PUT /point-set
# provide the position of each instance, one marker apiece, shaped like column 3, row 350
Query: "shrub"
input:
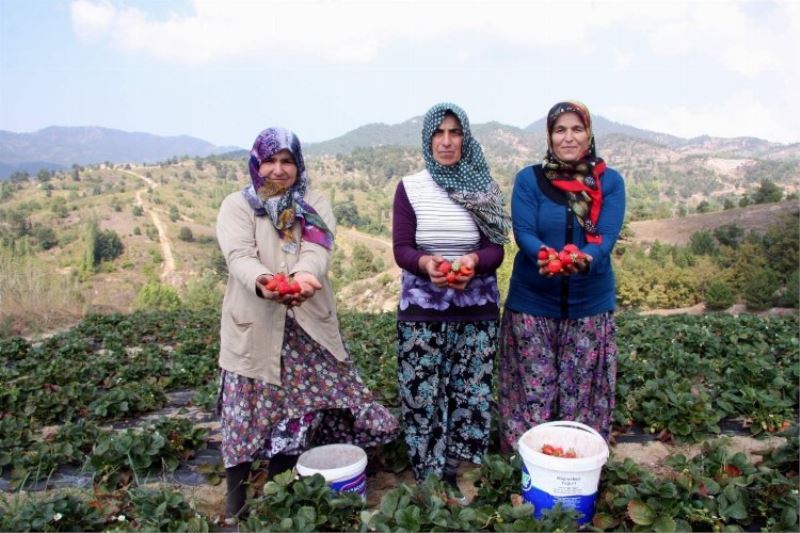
column 185, row 234
column 719, row 295
column 759, row 290
column 156, row 295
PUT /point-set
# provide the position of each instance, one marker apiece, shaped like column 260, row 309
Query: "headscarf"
column 290, row 207
column 468, row 182
column 580, row 180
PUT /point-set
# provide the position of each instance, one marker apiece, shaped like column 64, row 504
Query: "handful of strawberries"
column 453, row 270
column 283, row 284
column 559, row 262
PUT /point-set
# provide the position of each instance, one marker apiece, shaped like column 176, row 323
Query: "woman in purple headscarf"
column 286, row 381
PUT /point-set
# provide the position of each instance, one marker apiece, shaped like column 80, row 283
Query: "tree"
column 703, row 207
column 46, row 237
column 108, row 246
column 728, row 204
column 346, row 213
column 702, row 243
column 43, row 175
column 185, row 234
column 759, row 290
column 719, row 295
column 174, row 214
column 729, row 235
column 767, row 192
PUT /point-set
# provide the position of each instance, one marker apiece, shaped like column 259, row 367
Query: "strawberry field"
column 104, row 427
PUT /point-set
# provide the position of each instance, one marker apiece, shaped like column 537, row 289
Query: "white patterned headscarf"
column 468, row 182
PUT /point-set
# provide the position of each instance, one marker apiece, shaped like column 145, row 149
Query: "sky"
column 223, row 70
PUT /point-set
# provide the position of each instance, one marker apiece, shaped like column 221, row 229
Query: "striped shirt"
column 426, row 222
column 443, row 227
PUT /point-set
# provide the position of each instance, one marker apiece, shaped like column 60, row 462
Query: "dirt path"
column 168, row 266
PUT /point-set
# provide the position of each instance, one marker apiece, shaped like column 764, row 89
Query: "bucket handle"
column 572, row 424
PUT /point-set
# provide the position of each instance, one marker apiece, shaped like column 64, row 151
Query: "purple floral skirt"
column 320, row 400
column 553, row 369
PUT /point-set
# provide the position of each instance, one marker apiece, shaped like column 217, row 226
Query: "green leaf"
column 604, row 521
column 736, row 511
column 640, row 513
column 389, row 502
column 664, row 524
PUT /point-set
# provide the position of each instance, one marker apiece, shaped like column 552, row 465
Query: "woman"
column 451, row 212
column 286, row 381
column 558, row 351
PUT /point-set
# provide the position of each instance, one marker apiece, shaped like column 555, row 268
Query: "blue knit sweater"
column 540, row 215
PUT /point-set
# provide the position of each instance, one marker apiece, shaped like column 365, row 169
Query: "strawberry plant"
column 61, row 513
column 305, row 504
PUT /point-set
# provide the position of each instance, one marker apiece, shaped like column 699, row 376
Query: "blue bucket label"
column 357, row 484
column 542, row 500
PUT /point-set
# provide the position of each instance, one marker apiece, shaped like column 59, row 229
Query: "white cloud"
column 91, row 20
column 741, row 114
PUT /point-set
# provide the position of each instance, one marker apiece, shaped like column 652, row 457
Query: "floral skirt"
column 444, row 370
column 554, row 369
column 321, row 400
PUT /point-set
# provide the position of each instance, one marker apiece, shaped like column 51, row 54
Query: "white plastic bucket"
column 342, row 465
column 548, row 480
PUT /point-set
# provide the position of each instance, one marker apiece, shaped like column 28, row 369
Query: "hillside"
column 679, row 230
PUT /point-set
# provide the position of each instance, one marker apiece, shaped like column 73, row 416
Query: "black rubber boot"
column 236, row 476
column 280, row 463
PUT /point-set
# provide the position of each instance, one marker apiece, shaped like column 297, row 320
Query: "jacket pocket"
column 237, row 334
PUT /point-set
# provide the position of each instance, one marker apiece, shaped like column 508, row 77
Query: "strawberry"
column 544, row 255
column 272, row 284
column 548, row 449
column 451, row 277
column 445, row 267
column 465, row 271
column 570, row 248
column 554, row 266
column 565, row 257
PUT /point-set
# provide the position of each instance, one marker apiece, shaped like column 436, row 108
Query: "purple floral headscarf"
column 286, row 209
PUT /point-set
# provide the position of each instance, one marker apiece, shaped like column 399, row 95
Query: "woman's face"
column 447, row 141
column 280, row 170
column 569, row 138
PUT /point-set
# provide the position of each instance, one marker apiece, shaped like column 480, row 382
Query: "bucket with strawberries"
column 562, row 464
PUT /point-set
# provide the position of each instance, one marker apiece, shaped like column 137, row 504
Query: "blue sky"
column 223, row 70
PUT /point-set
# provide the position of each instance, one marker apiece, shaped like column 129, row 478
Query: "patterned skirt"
column 553, row 369
column 321, row 400
column 444, row 370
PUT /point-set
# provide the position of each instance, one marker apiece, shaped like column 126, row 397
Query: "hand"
column 309, row 285
column 578, row 266
column 430, row 265
column 468, row 263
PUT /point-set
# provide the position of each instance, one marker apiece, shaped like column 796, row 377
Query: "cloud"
column 91, row 20
column 357, row 31
column 739, row 115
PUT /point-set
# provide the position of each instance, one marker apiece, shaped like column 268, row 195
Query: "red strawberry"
column 445, row 267
column 554, row 266
column 544, row 255
column 465, row 271
column 272, row 284
column 565, row 257
column 451, row 277
column 571, row 248
column 548, row 449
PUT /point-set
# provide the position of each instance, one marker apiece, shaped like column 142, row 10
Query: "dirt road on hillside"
column 168, row 266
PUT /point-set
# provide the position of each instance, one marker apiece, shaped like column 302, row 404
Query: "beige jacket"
column 251, row 333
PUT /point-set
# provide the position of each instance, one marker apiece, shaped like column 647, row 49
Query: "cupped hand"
column 309, row 285
column 430, row 264
column 466, row 272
